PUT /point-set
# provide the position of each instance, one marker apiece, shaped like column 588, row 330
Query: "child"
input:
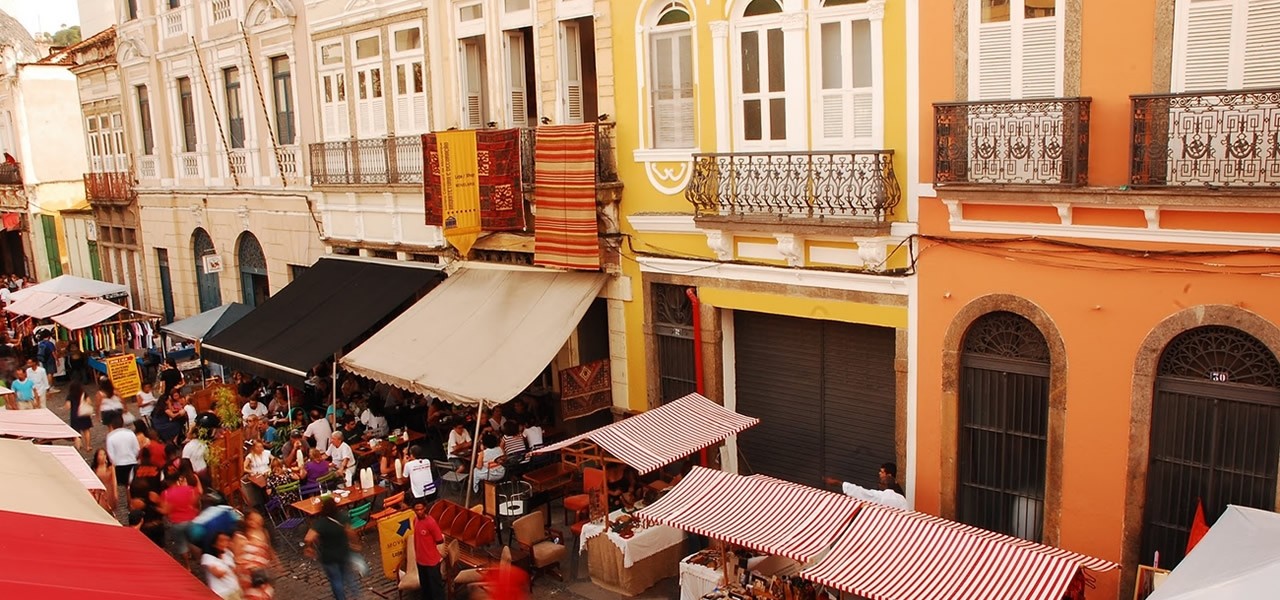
column 146, row 402
column 220, row 568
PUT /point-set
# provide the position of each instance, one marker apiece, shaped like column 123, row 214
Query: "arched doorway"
column 1003, row 426
column 207, row 284
column 1215, row 434
column 253, row 270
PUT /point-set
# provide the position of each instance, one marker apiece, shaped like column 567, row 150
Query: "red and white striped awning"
column 661, row 436
column 890, row 554
column 764, row 514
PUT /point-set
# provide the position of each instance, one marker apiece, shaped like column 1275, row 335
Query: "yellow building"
column 763, row 148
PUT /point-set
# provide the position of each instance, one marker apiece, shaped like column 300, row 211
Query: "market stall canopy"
column 208, row 323
column 42, row 305
column 47, row 557
column 892, row 554
column 325, row 309
column 70, row 459
column 764, row 514
column 88, row 314
column 1238, row 558
column 37, row 424
column 35, row 483
column 483, row 336
column 663, row 435
column 76, row 287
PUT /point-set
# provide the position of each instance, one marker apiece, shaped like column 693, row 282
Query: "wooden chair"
column 592, row 482
column 390, row 506
column 542, row 544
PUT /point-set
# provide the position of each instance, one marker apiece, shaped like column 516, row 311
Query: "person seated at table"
column 532, row 432
column 375, row 423
column 257, row 464
column 493, row 420
column 341, row 455
column 387, row 455
column 513, row 444
column 352, row 429
column 254, row 414
column 316, row 467
column 624, row 486
column 489, row 464
column 459, row 449
column 291, row 448
column 422, row 482
column 336, row 411
column 281, row 476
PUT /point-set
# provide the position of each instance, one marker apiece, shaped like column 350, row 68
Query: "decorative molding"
column 721, row 243
column 794, row 21
column 719, row 29
column 791, row 247
column 873, row 253
column 1064, row 212
column 860, row 282
column 875, row 9
column 663, row 223
column 1152, row 215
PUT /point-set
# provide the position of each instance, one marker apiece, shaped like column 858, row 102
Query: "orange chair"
column 592, row 482
column 392, row 505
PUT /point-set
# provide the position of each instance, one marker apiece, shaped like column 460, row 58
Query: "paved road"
column 302, row 578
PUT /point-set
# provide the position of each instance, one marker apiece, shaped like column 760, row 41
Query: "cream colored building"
column 219, row 129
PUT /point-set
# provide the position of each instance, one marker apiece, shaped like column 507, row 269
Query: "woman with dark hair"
column 170, row 419
column 107, row 401
column 143, row 497
column 180, row 502
column 109, row 498
column 331, row 540
column 489, row 464
column 81, row 423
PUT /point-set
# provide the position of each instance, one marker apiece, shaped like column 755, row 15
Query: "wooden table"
column 364, row 450
column 311, row 506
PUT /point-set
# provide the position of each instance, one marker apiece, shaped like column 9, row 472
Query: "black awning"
column 329, row 306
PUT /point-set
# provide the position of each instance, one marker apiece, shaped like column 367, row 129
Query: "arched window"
column 253, row 270
column 1215, row 434
column 207, row 284
column 1004, row 426
column 760, row 83
column 671, row 76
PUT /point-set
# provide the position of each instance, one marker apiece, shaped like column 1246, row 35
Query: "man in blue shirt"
column 24, row 389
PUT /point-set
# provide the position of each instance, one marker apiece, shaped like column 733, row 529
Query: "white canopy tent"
column 78, row 287
column 1238, row 558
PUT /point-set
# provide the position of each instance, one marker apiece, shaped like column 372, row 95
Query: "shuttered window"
column 761, row 80
column 517, row 78
column 825, row 393
column 333, row 93
column 409, row 87
column 371, row 108
column 846, row 91
column 671, row 60
column 573, row 108
column 1015, row 49
column 1226, row 45
column 473, row 74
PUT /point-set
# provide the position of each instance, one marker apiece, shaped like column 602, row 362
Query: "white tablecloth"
column 697, row 581
column 645, row 543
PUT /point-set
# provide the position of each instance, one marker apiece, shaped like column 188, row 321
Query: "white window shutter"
column 684, row 124
column 863, row 118
column 377, row 104
column 515, row 75
column 1207, row 52
column 833, row 111
column 1262, row 45
column 472, row 82
column 1041, row 62
column 994, row 61
column 573, row 74
column 419, row 112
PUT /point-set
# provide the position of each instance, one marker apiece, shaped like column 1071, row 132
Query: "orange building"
column 1099, row 206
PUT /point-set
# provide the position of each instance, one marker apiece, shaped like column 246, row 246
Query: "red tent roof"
column 52, row 559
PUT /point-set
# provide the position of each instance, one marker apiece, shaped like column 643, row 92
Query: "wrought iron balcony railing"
column 858, row 183
column 10, row 174
column 1018, row 142
column 1210, row 139
column 116, row 186
column 393, row 159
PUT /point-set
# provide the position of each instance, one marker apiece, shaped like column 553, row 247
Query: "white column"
column 794, row 25
column 720, row 82
column 875, row 9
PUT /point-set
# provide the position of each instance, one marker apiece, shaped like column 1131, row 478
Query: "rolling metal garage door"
column 824, row 392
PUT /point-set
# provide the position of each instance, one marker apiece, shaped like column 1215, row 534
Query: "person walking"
column 426, row 539
column 24, row 388
column 220, row 568
column 122, row 448
column 39, row 377
column 81, row 410
column 331, row 540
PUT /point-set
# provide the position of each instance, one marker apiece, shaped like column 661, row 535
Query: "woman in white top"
column 107, row 400
column 489, row 466
column 257, row 464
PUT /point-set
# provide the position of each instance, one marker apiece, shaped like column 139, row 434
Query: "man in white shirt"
column 40, row 378
column 319, row 431
column 459, row 445
column 890, row 495
column 190, row 409
column 195, row 450
column 254, row 414
column 422, row 482
column 122, row 448
column 340, row 454
column 374, row 423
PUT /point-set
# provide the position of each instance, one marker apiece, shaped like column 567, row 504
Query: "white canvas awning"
column 88, row 314
column 1238, row 558
column 78, row 287
column 42, row 305
column 35, row 483
column 36, row 424
column 482, row 336
column 75, row 465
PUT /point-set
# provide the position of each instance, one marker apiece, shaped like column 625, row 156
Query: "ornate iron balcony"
column 1018, row 142
column 855, row 183
column 606, row 157
column 392, row 159
column 1210, row 139
column 115, row 186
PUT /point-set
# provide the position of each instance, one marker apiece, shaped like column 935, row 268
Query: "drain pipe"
column 692, row 293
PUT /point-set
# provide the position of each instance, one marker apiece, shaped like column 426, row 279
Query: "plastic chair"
column 309, row 489
column 450, row 475
column 360, row 516
column 283, row 490
column 329, row 481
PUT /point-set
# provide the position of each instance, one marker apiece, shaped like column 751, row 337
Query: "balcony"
column 174, row 23
column 109, row 188
column 1210, row 140
column 1041, row 142
column 10, row 174
column 834, row 187
column 398, row 160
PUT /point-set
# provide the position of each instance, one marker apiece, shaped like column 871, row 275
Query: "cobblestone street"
column 303, row 579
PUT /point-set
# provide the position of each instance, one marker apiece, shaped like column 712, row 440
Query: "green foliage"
column 67, row 36
column 226, row 407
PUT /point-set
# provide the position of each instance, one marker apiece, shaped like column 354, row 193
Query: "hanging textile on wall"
column 498, row 160
column 565, row 231
column 586, row 389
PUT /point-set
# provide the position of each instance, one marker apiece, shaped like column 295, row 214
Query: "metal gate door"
column 1004, row 426
column 207, row 285
column 1215, row 435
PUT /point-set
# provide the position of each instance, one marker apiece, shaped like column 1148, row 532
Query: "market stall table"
column 631, row 565
column 698, row 580
column 311, row 506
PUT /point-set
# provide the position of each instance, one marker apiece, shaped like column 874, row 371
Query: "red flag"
column 1198, row 526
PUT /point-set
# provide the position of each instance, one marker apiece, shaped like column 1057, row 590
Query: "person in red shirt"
column 426, row 534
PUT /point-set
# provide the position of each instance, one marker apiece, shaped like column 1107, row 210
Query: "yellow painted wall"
column 641, row 196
